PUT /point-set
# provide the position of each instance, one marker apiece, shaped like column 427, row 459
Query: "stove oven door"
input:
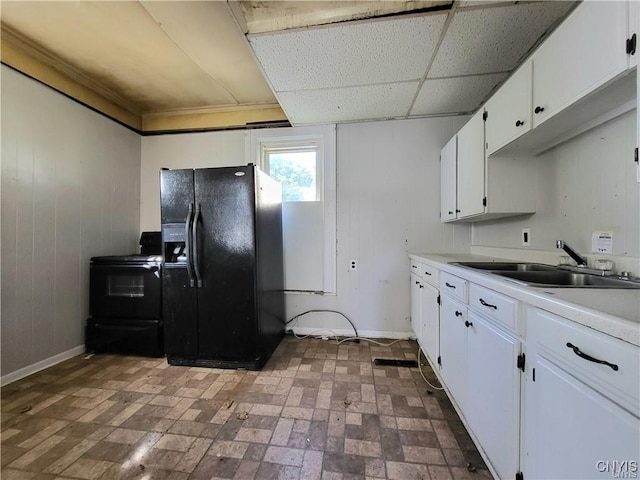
column 125, row 290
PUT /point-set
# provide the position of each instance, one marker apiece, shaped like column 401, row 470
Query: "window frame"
column 261, row 140
column 267, row 148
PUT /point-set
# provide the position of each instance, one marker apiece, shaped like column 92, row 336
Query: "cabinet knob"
column 519, row 123
column 468, row 324
column 458, row 313
column 538, row 109
column 457, row 211
column 450, row 212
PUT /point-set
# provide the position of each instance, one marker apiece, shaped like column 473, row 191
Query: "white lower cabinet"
column 573, row 429
column 493, row 392
column 416, row 305
column 453, row 348
column 425, row 309
column 430, row 328
column 479, row 367
column 554, row 400
column 573, row 432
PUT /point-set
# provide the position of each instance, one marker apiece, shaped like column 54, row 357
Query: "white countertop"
column 615, row 312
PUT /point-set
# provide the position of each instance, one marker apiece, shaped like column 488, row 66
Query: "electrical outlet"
column 353, row 264
column 526, row 237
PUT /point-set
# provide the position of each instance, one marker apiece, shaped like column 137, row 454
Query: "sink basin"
column 541, row 275
column 508, row 266
column 559, row 278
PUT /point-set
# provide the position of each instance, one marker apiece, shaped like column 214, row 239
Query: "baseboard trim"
column 41, row 365
column 342, row 332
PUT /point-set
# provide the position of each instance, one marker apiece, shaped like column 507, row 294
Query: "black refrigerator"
column 222, row 275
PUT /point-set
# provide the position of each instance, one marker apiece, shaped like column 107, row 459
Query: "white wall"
column 584, row 185
column 70, row 191
column 189, row 150
column 388, row 204
column 388, row 176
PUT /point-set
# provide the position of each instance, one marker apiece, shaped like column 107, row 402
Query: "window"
column 297, row 169
column 303, row 160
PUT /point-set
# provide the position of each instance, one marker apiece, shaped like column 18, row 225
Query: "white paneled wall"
column 388, row 177
column 388, row 204
column 584, row 185
column 70, row 191
column 189, row 150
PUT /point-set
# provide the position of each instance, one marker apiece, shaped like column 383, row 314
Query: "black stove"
column 125, row 301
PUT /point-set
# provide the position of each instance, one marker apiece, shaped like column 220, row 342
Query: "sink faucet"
column 581, row 261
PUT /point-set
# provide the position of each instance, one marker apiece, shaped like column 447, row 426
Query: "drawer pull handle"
column 427, row 273
column 449, row 285
column 581, row 354
column 414, row 266
column 458, row 313
column 488, row 304
column 468, row 324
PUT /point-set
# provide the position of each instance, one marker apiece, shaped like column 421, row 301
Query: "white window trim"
column 325, row 137
column 297, row 146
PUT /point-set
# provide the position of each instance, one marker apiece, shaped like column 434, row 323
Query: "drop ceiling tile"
column 494, row 39
column 349, row 54
column 455, row 95
column 348, row 104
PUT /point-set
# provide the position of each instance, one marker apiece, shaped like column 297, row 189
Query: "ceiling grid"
column 189, row 64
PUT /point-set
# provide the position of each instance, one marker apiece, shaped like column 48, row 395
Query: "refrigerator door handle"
column 194, row 236
column 188, row 247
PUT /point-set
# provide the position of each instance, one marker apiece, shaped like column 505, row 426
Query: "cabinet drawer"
column 430, row 274
column 569, row 343
column 493, row 304
column 454, row 286
column 415, row 267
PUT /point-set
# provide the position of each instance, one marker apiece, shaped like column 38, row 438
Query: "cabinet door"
column 471, row 154
column 573, row 432
column 634, row 27
column 493, row 393
column 430, row 322
column 448, row 163
column 453, row 348
column 416, row 306
column 571, row 63
column 509, row 110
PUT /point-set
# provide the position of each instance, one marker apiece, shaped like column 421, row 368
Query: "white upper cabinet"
column 509, row 110
column 448, row 180
column 581, row 76
column 634, row 29
column 585, row 52
column 474, row 187
column 471, row 182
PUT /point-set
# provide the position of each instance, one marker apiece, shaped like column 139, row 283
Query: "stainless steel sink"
column 541, row 275
column 559, row 278
column 507, row 266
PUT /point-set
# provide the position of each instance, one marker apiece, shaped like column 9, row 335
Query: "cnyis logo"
column 618, row 468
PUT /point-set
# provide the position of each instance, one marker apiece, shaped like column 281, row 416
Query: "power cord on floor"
column 324, row 311
column 420, row 369
column 370, row 340
column 356, row 338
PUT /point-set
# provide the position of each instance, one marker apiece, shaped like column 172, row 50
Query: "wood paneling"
column 70, row 190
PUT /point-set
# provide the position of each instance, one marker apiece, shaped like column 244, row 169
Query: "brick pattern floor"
column 317, row 410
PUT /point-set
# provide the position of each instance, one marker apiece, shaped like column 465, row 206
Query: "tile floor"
column 316, row 411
